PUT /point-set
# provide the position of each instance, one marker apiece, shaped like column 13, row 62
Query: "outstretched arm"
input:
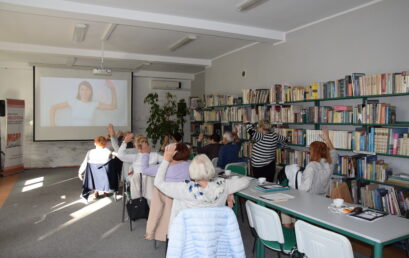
column 54, row 109
column 325, row 137
column 113, row 104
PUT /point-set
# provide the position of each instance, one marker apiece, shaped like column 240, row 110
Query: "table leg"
column 236, row 205
column 259, row 249
column 377, row 251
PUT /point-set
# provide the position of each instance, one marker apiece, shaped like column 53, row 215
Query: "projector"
column 102, row 71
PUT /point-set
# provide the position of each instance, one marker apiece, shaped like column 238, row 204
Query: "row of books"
column 374, row 112
column 213, row 100
column 393, row 141
column 385, row 198
column 241, row 131
column 255, row 96
column 246, row 148
column 287, row 114
column 289, row 156
column 196, row 115
column 285, row 93
column 294, row 136
column 370, row 168
column 340, row 139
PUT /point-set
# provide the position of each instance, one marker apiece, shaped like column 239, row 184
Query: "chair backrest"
column 237, row 167
column 266, row 222
column 205, row 232
column 320, row 243
column 191, row 156
column 214, row 161
column 248, row 210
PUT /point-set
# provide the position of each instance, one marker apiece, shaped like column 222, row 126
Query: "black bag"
column 138, row 208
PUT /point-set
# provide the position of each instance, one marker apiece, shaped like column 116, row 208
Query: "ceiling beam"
column 67, row 9
column 78, row 52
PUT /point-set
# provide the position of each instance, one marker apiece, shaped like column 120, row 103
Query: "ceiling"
column 40, row 31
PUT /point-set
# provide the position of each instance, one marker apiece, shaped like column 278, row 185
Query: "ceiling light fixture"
column 80, row 30
column 248, row 4
column 182, row 42
column 108, row 32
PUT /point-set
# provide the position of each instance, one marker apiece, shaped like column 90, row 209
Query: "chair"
column 205, row 232
column 237, row 167
column 270, row 232
column 251, row 224
column 320, row 243
column 214, row 161
column 96, row 178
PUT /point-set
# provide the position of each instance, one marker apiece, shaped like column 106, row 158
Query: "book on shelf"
column 294, row 136
column 340, row 139
column 196, row 115
column 241, row 130
column 209, row 129
column 348, row 165
column 385, row 198
column 212, row 115
column 214, row 100
column 196, row 103
column 285, row 93
column 370, row 168
column 287, row 114
column 290, row 156
column 255, row 96
column 393, row 141
column 246, row 148
column 401, row 180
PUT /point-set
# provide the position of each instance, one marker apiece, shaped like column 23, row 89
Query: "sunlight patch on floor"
column 78, row 215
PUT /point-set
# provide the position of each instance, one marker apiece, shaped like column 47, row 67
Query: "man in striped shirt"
column 263, row 155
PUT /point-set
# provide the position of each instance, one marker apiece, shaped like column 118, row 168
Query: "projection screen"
column 74, row 104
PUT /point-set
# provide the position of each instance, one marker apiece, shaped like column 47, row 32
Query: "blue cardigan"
column 228, row 153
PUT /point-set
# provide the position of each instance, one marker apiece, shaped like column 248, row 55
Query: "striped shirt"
column 264, row 147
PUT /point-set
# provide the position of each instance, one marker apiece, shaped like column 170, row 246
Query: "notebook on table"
column 270, row 187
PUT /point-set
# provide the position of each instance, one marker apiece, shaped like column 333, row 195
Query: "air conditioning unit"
column 165, row 85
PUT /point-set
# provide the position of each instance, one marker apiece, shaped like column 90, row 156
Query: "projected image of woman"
column 83, row 106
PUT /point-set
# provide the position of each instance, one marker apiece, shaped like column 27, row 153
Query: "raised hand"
column 111, row 130
column 200, row 137
column 128, row 137
column 170, row 151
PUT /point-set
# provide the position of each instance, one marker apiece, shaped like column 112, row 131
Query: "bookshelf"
column 358, row 86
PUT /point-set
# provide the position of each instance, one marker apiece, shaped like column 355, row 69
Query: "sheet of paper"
column 277, row 196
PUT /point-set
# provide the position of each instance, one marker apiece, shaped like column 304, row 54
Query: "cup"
column 338, row 202
column 262, row 180
column 227, row 172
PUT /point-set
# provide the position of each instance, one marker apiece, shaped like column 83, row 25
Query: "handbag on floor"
column 138, row 208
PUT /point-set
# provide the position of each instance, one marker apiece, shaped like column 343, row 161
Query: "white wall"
column 370, row 40
column 16, row 81
column 141, row 110
column 198, row 85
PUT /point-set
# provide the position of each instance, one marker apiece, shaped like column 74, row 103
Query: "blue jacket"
column 228, row 153
column 205, row 232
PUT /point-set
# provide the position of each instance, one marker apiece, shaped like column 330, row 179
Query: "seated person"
column 212, row 149
column 135, row 159
column 161, row 205
column 95, row 181
column 203, row 191
column 316, row 176
column 229, row 152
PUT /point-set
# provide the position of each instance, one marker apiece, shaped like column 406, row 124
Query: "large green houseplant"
column 166, row 119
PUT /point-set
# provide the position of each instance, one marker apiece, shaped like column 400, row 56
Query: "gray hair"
column 228, row 136
column 201, row 168
column 264, row 124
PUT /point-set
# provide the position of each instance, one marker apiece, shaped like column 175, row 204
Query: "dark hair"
column 183, row 152
column 215, row 137
column 318, row 151
column 88, row 85
column 177, row 136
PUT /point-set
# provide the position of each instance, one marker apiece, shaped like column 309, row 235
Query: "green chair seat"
column 289, row 241
column 241, row 170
